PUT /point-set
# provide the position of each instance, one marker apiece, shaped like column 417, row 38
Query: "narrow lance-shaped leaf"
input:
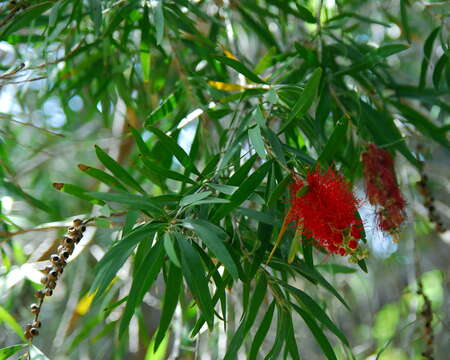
column 317, row 333
column 249, row 319
column 159, row 22
column 172, row 147
column 171, row 293
column 95, row 12
column 305, row 99
column 244, row 191
column 257, row 141
column 9, row 351
column 165, row 108
column 157, row 170
column 135, row 202
column 262, row 332
column 117, row 170
column 142, row 281
column 427, row 49
column 105, row 178
column 315, row 310
column 77, row 191
column 195, row 277
column 213, row 237
column 241, row 68
column 17, row 191
column 112, row 261
column 7, row 318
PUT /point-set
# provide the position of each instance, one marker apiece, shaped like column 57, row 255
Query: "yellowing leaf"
column 228, row 53
column 226, row 86
column 84, row 304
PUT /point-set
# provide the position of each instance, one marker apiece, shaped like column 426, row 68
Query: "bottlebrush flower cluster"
column 382, row 188
column 324, row 207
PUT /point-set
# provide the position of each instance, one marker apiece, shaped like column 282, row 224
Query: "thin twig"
column 9, row 118
column 56, row 227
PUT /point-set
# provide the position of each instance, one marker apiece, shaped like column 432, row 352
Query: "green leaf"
column 195, row 277
column 189, row 199
column 171, row 293
column 404, row 19
column 143, row 279
column 25, row 17
column 291, row 342
column 280, row 336
column 213, row 237
column 422, row 124
column 17, row 191
column 135, row 202
column 313, row 275
column 250, row 315
column 117, row 170
column 247, row 187
column 317, row 333
column 95, row 12
column 391, row 49
column 240, row 68
column 381, row 126
column 262, row 332
column 427, row 49
column 305, row 14
column 157, row 170
column 266, row 61
column 165, row 108
column 77, row 191
column 439, row 69
column 112, row 261
column 142, row 146
column 9, row 351
column 305, row 99
column 172, row 147
column 169, row 246
column 336, row 268
column 337, row 138
column 315, row 310
column 159, row 22
column 257, row 141
column 105, row 178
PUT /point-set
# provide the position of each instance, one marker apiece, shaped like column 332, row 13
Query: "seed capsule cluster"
column 427, row 317
column 53, row 272
column 429, row 202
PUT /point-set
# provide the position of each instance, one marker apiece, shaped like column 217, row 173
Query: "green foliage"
column 202, row 114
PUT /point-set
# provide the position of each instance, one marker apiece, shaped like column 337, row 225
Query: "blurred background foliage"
column 74, row 74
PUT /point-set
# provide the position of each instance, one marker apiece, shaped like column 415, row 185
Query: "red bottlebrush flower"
column 325, row 208
column 382, row 188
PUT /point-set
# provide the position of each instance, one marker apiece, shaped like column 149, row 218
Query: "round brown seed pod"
column 27, row 327
column 36, row 324
column 27, row 335
column 64, row 254
column 39, row 294
column 34, row 332
column 67, row 241
column 77, row 222
column 55, row 259
column 35, row 308
column 51, row 284
column 72, row 229
column 47, row 269
column 44, row 280
column 48, row 292
column 53, row 275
